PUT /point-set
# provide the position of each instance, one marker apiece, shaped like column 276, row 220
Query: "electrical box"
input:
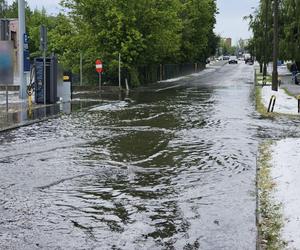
column 51, row 80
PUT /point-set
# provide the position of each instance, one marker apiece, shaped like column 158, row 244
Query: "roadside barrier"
column 272, row 104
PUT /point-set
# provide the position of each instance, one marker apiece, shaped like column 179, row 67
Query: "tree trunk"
column 275, row 48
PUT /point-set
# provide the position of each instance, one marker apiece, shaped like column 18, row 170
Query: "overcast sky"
column 52, row 6
column 229, row 22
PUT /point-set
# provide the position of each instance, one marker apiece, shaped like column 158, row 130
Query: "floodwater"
column 171, row 169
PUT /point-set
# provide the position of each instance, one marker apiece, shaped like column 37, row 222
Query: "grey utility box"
column 51, row 80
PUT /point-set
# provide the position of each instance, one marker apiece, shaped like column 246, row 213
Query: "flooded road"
column 172, row 169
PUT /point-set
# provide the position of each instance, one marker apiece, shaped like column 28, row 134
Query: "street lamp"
column 21, row 14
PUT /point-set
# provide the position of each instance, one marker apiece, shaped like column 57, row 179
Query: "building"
column 228, row 42
column 9, row 29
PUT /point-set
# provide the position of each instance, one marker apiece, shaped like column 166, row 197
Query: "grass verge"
column 269, row 212
column 260, row 107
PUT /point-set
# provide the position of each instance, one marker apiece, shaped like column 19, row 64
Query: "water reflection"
column 170, row 170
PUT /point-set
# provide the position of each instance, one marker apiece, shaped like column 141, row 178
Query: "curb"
column 28, row 123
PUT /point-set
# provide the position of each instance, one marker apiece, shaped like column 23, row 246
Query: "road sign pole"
column 99, row 69
column 100, row 81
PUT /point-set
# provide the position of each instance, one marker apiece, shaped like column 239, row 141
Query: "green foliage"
column 261, row 24
column 144, row 32
column 198, row 22
column 290, row 26
column 226, row 48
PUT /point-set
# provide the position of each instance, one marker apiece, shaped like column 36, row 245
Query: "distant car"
column 249, row 61
column 225, row 58
column 233, row 60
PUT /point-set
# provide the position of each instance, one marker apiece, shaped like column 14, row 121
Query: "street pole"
column 120, row 87
column 100, row 81
column 6, row 92
column 44, row 62
column 21, row 14
column 43, row 47
column 276, row 47
column 80, row 68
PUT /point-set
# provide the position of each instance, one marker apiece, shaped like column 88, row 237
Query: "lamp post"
column 21, row 14
column 275, row 46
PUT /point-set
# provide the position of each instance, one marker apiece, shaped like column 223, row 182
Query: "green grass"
column 270, row 220
column 268, row 78
column 260, row 107
column 259, row 77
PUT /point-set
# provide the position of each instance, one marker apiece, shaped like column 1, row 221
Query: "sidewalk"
column 283, row 171
column 286, row 97
column 19, row 114
column 286, row 174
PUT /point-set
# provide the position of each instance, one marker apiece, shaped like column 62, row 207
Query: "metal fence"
column 146, row 74
column 155, row 73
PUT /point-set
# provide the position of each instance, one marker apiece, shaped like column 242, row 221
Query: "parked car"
column 233, row 60
column 249, row 61
column 225, row 58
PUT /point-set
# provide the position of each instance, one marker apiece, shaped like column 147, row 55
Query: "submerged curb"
column 269, row 212
column 28, row 123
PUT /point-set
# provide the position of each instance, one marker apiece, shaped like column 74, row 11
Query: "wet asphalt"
column 169, row 169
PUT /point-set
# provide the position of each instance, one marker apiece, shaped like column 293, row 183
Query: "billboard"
column 6, row 63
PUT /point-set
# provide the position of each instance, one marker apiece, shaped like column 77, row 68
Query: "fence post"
column 161, row 72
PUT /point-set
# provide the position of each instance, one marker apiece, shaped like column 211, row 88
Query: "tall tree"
column 198, row 18
column 144, row 32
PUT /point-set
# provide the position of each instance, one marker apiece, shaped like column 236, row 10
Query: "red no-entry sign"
column 99, row 66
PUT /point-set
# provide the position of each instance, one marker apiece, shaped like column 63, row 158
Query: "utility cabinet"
column 51, row 80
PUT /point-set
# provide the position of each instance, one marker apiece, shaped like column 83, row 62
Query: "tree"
column 198, row 18
column 290, row 27
column 145, row 32
column 261, row 24
column 3, row 8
